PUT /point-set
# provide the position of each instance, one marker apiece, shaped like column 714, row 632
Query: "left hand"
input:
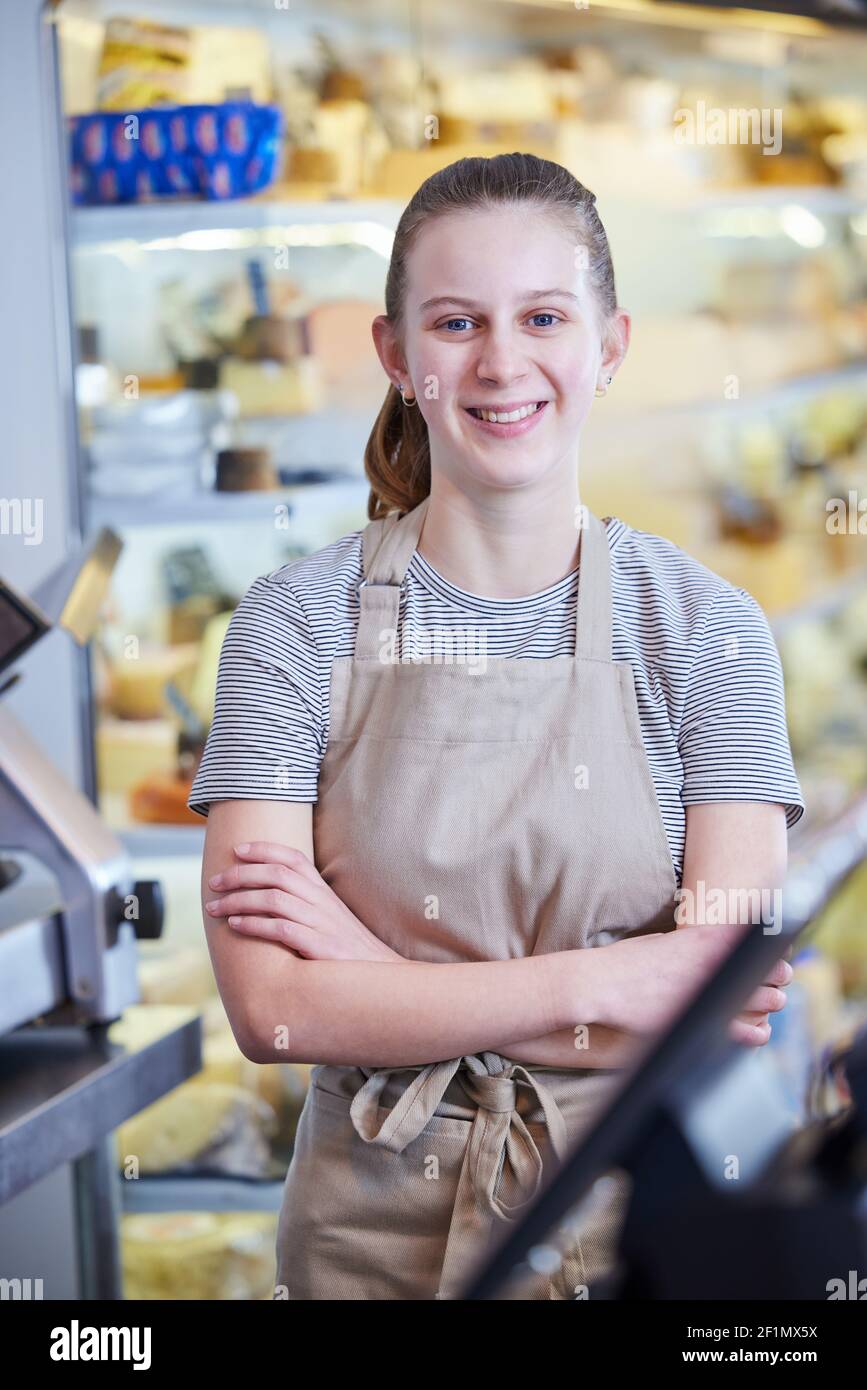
column 752, row 1025
column 277, row 893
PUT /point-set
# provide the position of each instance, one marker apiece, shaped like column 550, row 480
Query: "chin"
column 506, row 475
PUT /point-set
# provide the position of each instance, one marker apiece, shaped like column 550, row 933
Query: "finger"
column 264, row 875
column 265, row 902
column 294, row 935
column 765, row 1000
column 752, row 1035
column 263, row 851
column 780, row 974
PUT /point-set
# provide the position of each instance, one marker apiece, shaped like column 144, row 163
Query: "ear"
column 615, row 341
column 388, row 348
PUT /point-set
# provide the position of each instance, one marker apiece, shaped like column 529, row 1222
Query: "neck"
column 502, row 544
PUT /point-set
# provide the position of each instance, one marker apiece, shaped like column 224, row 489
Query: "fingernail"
column 243, row 849
column 215, row 880
column 211, row 905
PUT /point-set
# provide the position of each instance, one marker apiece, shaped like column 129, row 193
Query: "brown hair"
column 397, row 456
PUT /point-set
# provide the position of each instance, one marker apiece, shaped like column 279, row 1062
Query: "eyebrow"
column 474, row 303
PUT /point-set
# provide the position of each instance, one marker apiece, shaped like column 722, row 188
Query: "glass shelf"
column 195, row 225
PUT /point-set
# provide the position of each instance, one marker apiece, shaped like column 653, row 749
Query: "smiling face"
column 500, row 316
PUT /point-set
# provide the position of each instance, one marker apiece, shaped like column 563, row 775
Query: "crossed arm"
column 729, row 846
column 317, row 985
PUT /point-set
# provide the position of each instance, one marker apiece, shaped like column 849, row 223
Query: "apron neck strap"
column 389, row 542
column 387, row 546
column 593, row 610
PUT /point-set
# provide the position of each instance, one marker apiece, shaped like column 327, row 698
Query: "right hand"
column 642, row 983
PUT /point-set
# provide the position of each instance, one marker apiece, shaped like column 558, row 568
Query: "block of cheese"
column 227, row 59
column 138, row 682
column 203, row 686
column 129, row 749
column 143, row 64
column 198, row 1255
column 273, row 388
column 400, row 172
column 312, row 166
column 283, row 1085
column 343, row 128
column 80, row 41
column 147, row 64
column 174, row 975
column 523, row 92
column 174, row 1131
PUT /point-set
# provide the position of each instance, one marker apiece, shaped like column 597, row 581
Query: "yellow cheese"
column 138, row 682
column 199, row 1255
column 173, row 1131
column 779, row 575
column 203, row 686
column 226, row 59
column 400, row 172
column 174, row 975
column 129, row 749
column 273, row 388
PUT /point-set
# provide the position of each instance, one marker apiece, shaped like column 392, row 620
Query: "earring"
column 604, row 390
column 407, row 401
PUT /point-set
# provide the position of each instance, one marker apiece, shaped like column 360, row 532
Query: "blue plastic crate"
column 220, row 151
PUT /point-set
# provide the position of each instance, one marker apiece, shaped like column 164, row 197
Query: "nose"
column 500, row 358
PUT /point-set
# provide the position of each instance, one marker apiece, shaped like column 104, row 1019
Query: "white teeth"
column 502, row 418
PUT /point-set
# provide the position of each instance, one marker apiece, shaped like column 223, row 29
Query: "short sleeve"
column 265, row 741
column 734, row 740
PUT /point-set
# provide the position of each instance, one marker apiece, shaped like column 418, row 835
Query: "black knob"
column 151, row 908
column 142, row 905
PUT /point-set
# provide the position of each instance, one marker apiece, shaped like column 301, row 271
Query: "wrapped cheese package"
column 198, row 1255
column 196, row 1127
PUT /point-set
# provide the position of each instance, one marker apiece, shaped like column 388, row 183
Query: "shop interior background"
column 190, row 363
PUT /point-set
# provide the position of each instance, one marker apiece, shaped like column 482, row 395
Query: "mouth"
column 506, row 422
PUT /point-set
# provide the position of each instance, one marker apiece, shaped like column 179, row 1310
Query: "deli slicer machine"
column 81, row 961
column 70, row 917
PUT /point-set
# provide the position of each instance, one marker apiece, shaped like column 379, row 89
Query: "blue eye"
column 541, row 315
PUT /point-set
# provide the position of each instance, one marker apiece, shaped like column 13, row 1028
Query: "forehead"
column 492, row 253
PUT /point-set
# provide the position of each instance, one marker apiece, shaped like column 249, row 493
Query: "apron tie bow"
column 497, row 1134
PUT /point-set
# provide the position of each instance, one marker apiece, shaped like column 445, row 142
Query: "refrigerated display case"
column 226, row 382
column 739, row 408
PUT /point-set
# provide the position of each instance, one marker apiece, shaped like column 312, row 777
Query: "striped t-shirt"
column 707, row 672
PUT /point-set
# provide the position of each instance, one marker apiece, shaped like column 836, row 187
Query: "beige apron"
column 468, row 814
